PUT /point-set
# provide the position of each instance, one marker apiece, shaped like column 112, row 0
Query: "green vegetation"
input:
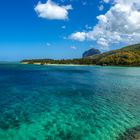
column 127, row 56
column 81, row 61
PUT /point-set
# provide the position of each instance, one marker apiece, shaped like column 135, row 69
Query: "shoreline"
column 66, row 65
column 27, row 63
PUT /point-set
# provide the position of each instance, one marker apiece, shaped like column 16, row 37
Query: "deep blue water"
column 68, row 103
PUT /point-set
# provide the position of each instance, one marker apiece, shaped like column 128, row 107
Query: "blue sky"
column 25, row 33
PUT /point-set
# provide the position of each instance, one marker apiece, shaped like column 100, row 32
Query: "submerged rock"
column 130, row 134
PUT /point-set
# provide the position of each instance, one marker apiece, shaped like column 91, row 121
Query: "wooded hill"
column 129, row 55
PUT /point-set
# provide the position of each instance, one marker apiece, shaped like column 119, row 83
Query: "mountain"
column 129, row 55
column 91, row 52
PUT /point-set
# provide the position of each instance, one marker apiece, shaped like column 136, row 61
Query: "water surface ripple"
column 68, row 103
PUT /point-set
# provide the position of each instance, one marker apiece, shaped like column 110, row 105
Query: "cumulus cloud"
column 80, row 36
column 121, row 23
column 106, row 1
column 52, row 11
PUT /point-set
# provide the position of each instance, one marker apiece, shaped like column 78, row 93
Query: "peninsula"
column 126, row 56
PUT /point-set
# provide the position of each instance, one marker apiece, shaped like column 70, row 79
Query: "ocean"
column 68, row 102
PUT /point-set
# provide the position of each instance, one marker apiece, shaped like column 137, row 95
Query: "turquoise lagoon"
column 68, row 103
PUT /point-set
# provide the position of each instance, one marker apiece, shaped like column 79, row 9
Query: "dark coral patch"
column 130, row 134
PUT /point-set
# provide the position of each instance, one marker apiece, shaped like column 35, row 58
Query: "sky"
column 62, row 29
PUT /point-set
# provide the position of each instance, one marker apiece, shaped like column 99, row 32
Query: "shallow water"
column 68, row 103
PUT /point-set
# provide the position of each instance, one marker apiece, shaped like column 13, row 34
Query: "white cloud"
column 103, row 42
column 84, row 3
column 88, row 27
column 80, row 36
column 106, row 1
column 63, row 27
column 73, row 47
column 120, row 24
column 51, row 10
column 101, row 7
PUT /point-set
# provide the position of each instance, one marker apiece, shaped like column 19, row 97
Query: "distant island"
column 126, row 56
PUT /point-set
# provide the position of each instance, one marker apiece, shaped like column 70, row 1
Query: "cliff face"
column 91, row 52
